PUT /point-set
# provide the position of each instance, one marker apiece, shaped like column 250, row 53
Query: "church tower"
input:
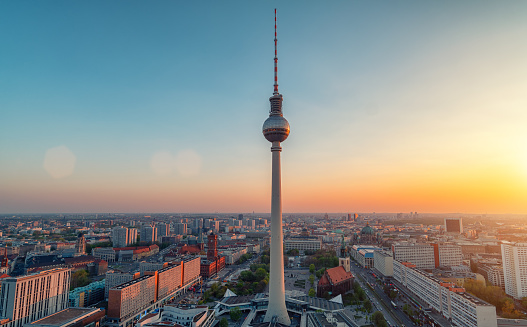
column 344, row 258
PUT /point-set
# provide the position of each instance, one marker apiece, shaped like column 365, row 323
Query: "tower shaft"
column 276, row 305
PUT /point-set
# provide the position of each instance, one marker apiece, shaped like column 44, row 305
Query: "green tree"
column 312, row 292
column 378, row 319
column 260, row 274
column 367, row 305
column 293, row 252
column 265, row 259
column 224, row 322
column 235, row 314
column 311, row 279
column 312, row 268
column 247, row 276
column 79, row 278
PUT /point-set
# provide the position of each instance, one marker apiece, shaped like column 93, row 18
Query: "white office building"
column 450, row 255
column 31, row 297
column 421, row 255
column 302, row 244
column 383, row 263
column 514, row 258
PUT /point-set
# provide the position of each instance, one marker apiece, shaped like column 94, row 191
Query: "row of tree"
column 495, row 296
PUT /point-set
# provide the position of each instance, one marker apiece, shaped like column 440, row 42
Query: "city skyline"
column 134, row 107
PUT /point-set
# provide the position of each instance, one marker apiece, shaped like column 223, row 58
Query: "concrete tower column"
column 276, row 279
column 276, row 130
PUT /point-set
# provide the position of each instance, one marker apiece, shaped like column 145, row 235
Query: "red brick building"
column 214, row 263
column 335, row 281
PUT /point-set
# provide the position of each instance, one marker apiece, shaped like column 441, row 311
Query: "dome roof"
column 367, row 230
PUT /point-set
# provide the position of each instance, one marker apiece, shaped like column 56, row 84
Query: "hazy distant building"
column 454, row 225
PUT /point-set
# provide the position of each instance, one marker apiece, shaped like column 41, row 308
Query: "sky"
column 157, row 106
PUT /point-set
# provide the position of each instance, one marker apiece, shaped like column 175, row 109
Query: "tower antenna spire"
column 275, row 57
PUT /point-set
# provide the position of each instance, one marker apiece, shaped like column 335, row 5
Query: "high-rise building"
column 120, row 237
column 514, row 258
column 132, row 236
column 148, row 234
column 276, row 130
column 180, row 229
column 215, row 225
column 163, row 229
column 454, row 225
column 28, row 298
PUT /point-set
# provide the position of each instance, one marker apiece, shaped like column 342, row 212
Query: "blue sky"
column 161, row 105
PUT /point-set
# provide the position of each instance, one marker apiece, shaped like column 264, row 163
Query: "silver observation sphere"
column 276, row 128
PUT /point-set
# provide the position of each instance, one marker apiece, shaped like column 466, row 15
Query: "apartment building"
column 493, row 273
column 114, row 278
column 31, row 297
column 127, row 301
column 514, row 259
column 462, row 309
column 234, row 254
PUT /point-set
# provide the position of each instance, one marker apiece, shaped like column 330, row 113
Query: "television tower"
column 276, row 130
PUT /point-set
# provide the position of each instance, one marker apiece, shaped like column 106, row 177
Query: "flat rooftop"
column 65, row 316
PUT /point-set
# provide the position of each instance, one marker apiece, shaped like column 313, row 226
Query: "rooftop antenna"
column 275, row 57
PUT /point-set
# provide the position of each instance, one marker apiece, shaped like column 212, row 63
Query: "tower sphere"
column 276, row 128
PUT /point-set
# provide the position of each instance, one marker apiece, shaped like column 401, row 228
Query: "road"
column 381, row 302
